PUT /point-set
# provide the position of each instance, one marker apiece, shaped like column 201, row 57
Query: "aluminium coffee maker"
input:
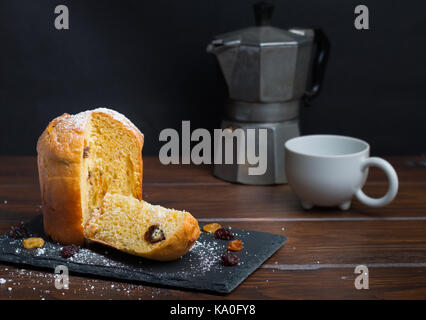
column 266, row 70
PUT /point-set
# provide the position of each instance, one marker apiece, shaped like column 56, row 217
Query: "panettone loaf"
column 142, row 229
column 80, row 158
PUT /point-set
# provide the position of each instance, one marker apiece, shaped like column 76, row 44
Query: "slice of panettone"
column 142, row 229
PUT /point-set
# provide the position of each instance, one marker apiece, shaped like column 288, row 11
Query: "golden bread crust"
column 59, row 158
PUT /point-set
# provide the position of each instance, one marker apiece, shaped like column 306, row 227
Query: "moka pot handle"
column 319, row 64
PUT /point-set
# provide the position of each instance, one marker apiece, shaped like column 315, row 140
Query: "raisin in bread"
column 142, row 229
column 80, row 158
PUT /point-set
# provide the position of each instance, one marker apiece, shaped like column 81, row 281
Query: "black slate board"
column 199, row 269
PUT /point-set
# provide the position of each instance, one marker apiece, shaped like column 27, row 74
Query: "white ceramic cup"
column 328, row 170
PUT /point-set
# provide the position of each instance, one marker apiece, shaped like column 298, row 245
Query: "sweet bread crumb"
column 142, row 229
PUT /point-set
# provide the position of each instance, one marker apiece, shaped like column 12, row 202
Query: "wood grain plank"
column 23, row 170
column 384, row 283
column 237, row 201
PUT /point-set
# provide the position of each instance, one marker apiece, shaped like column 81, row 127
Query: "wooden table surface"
column 317, row 262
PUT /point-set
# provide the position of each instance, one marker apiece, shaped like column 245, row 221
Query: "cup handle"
column 392, row 178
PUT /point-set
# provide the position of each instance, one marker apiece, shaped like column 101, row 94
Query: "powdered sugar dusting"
column 90, row 257
column 78, row 121
column 119, row 117
column 203, row 257
column 41, row 285
column 40, row 251
column 75, row 122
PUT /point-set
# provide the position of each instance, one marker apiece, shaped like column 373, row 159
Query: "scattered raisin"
column 86, row 152
column 229, row 259
column 18, row 232
column 235, row 245
column 154, row 234
column 69, row 251
column 212, row 227
column 224, row 234
column 32, row 243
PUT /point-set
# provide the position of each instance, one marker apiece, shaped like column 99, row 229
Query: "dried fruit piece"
column 69, row 251
column 93, row 228
column 18, row 232
column 31, row 243
column 154, row 234
column 212, row 227
column 229, row 259
column 224, row 234
column 235, row 245
column 86, row 152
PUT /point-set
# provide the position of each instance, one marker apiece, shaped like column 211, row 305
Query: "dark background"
column 147, row 59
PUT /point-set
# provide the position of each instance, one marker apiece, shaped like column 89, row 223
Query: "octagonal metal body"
column 264, row 64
